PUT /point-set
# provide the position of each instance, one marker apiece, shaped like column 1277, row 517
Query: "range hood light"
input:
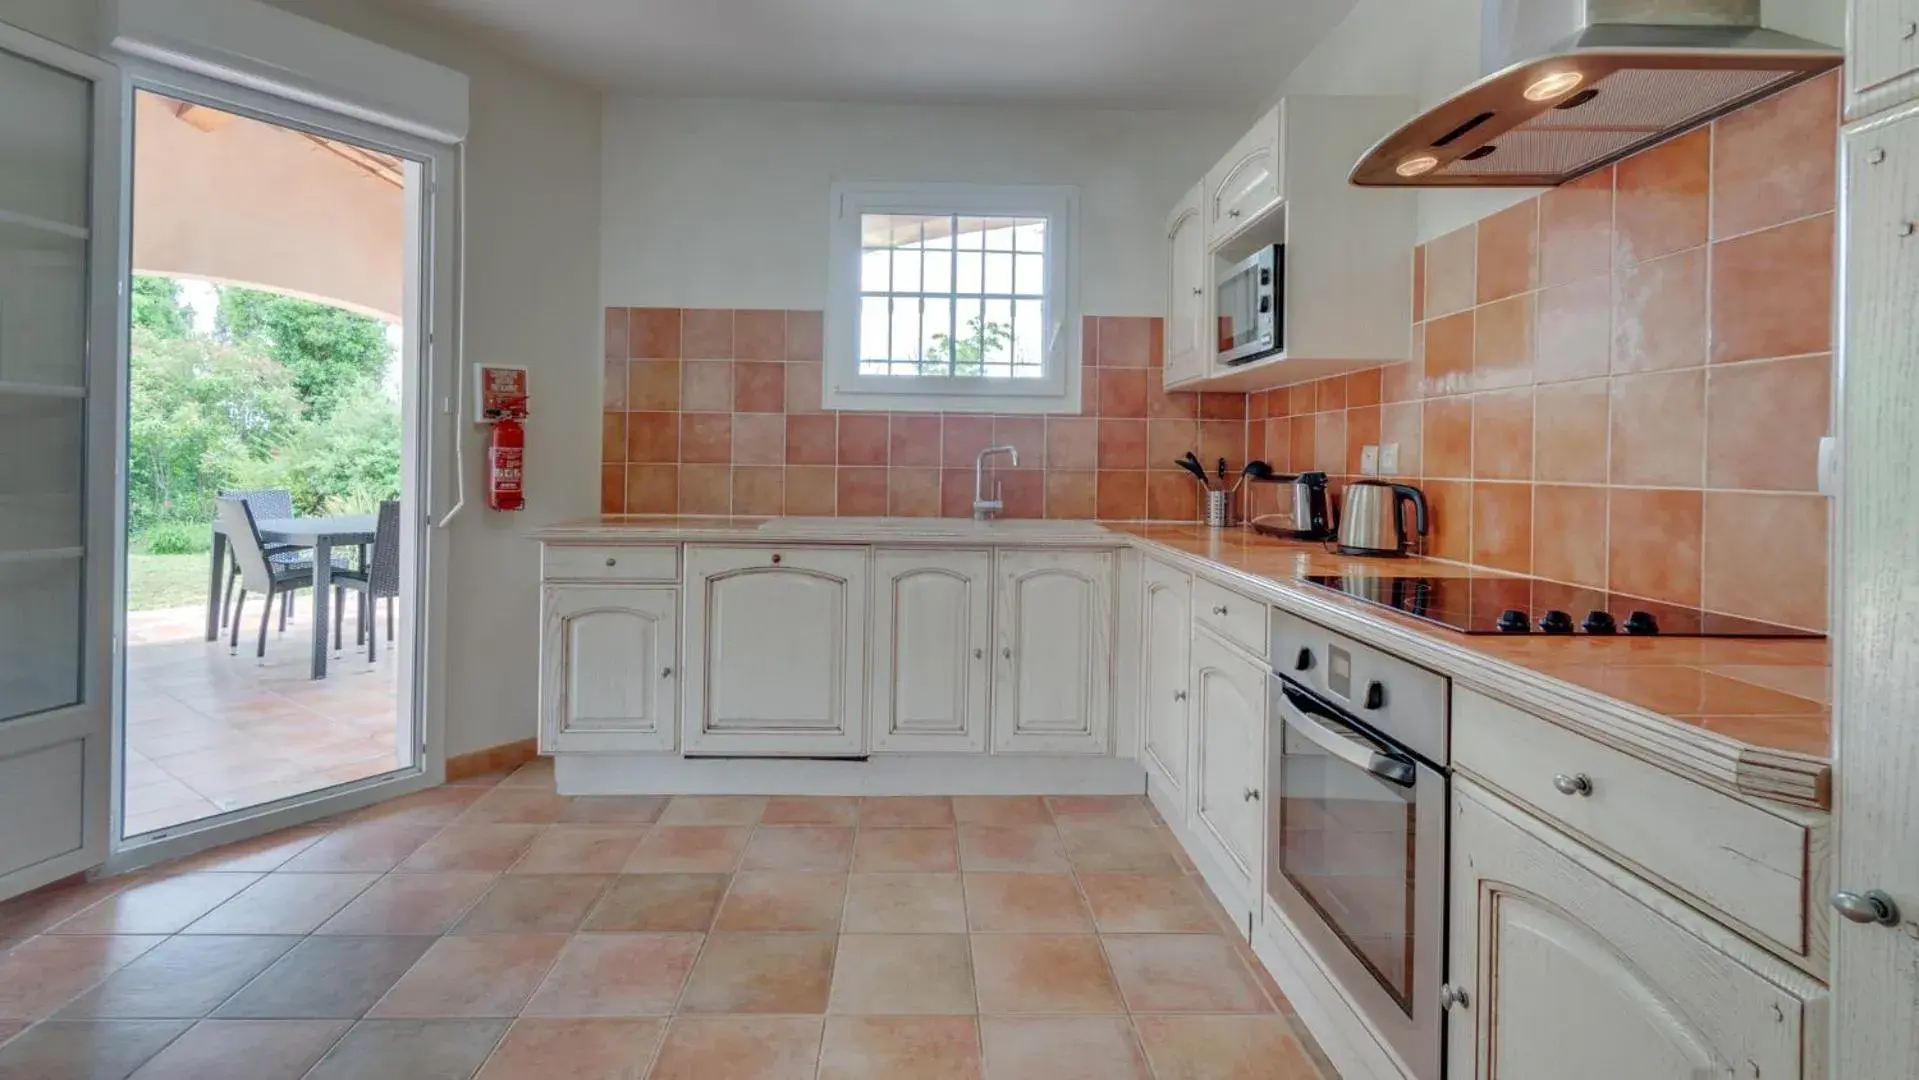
column 1417, row 166
column 1553, row 85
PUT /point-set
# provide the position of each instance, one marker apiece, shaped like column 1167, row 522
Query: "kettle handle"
column 1407, row 493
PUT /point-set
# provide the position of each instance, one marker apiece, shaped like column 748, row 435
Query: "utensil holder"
column 1219, row 509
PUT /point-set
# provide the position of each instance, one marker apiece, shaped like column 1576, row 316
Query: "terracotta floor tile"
column 1223, row 1048
column 372, row 847
column 434, row 806
column 1129, row 810
column 903, row 975
column 1061, row 1048
column 245, row 1050
column 478, row 848
column 410, row 904
column 761, row 973
column 515, row 806
column 1021, row 973
column 42, row 974
column 617, row 975
column 1001, row 810
column 1182, row 973
column 535, row 904
column 799, row 847
column 892, row 1048
column 86, row 1049
column 1025, row 904
column 688, row 850
column 284, row 904
column 24, row 916
column 414, row 1049
column 905, row 904
column 1011, row 849
column 767, row 900
column 1147, row 904
column 658, row 903
column 490, row 975
column 616, row 809
column 810, row 810
column 1117, row 850
column 912, row 811
column 10, row 1028
column 580, row 849
column 161, row 906
column 258, row 855
column 537, row 773
column 574, row 1050
column 182, row 978
column 905, row 850
column 739, row 1048
column 326, row 978
column 713, row 810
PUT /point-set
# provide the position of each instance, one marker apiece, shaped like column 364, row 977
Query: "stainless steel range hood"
column 1578, row 84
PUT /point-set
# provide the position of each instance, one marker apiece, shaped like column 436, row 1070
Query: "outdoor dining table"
column 322, row 534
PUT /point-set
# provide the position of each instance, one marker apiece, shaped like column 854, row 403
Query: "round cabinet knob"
column 1234, row 212
column 979, row 654
column 1453, row 997
column 666, row 673
column 1871, row 906
column 1576, row 784
column 776, row 560
column 1006, row 653
column 612, row 562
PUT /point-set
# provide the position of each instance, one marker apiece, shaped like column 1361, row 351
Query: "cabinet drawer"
column 1232, row 616
column 655, row 563
column 1749, row 864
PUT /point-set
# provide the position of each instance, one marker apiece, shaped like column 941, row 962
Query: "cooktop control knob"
column 1599, row 622
column 1556, row 622
column 1375, row 695
column 1641, row 622
column 1514, row 621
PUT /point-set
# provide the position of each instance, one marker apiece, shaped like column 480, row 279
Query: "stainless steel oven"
column 1357, row 829
column 1250, row 298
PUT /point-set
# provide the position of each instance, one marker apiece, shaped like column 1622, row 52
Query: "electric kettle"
column 1372, row 522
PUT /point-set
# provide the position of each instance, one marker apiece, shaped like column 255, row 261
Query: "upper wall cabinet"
column 1343, row 294
column 1882, row 55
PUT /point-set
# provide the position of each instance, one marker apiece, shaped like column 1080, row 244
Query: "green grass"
column 165, row 581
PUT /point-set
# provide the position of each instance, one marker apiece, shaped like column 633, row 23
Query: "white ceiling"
column 1118, row 53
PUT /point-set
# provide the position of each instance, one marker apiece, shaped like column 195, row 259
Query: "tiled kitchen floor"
column 208, row 732
column 496, row 929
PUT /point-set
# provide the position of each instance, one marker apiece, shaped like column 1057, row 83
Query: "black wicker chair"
column 259, row 573
column 383, row 571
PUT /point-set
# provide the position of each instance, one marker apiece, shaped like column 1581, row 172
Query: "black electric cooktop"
column 1505, row 605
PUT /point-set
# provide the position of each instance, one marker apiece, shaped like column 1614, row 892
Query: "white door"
column 932, row 631
column 1052, row 684
column 607, row 673
column 1189, row 340
column 775, row 651
column 1876, row 637
column 1229, row 757
column 59, row 423
column 1565, row 970
column 1168, row 618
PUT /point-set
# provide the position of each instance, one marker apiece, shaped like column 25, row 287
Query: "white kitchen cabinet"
column 1166, row 732
column 1229, row 692
column 775, row 656
column 608, row 673
column 1052, row 679
column 1572, row 968
column 1190, row 341
column 1882, row 55
column 930, row 649
column 1247, row 182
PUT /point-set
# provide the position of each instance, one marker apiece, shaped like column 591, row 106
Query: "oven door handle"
column 1345, row 743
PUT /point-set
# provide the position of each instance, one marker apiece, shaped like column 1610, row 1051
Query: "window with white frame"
column 955, row 297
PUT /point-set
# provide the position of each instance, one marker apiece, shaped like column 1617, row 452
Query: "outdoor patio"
column 208, row 732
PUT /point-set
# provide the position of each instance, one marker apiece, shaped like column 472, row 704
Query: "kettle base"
column 1372, row 552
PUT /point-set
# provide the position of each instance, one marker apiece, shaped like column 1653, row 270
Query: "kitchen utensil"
column 1192, row 465
column 1197, row 464
column 1373, row 522
column 1254, row 470
column 1222, row 472
column 1219, row 509
column 1305, row 515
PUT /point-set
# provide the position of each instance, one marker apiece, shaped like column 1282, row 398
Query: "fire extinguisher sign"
column 502, row 393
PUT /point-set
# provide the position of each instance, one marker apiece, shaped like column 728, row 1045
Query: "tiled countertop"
column 1752, row 716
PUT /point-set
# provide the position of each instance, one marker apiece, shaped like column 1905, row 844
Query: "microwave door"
column 1245, row 298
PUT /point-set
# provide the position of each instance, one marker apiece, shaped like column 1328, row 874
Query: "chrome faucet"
column 983, row 507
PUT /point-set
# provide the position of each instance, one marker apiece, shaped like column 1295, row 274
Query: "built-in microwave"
column 1251, row 299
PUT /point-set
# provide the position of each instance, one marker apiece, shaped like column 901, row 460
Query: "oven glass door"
column 1244, row 330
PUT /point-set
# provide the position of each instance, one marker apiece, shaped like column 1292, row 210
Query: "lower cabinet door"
column 1564, row 965
column 607, row 668
column 1166, row 735
column 775, row 651
column 931, row 630
column 1229, row 758
column 1052, row 678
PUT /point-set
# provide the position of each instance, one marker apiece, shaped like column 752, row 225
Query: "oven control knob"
column 1453, row 997
column 1556, row 622
column 1305, row 661
column 1514, row 621
column 1375, row 695
column 1599, row 622
column 1641, row 622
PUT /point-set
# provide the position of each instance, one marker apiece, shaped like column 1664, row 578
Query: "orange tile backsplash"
column 1621, row 383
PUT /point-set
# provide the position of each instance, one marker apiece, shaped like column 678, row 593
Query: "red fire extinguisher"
column 505, row 458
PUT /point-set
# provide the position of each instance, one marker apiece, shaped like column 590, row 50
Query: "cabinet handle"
column 1234, row 212
column 1252, row 794
column 1453, row 997
column 1006, row 653
column 612, row 562
column 1220, row 610
column 1909, row 31
column 1869, row 907
column 1904, row 229
column 1876, row 156
column 1197, row 291
column 1179, row 695
column 776, row 560
column 979, row 654
column 666, row 673
column 1577, row 784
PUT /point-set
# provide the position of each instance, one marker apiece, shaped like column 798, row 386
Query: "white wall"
column 712, row 203
column 73, row 23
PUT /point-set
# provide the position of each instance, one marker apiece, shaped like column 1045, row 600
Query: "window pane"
column 874, row 328
column 939, row 233
column 936, row 329
column 969, row 232
column 41, row 523
column 1030, row 234
column 997, row 337
column 876, row 271
column 999, row 234
column 906, row 332
column 938, row 274
column 971, row 273
column 1031, row 275
column 43, row 306
column 906, row 271
column 1029, row 339
column 46, row 128
column 966, row 349
column 999, row 272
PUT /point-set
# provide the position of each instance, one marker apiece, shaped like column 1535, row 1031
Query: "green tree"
column 329, row 351
column 969, row 353
column 157, row 307
column 351, row 462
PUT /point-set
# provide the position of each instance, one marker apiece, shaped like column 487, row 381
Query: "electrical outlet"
column 1389, row 459
column 1369, row 461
